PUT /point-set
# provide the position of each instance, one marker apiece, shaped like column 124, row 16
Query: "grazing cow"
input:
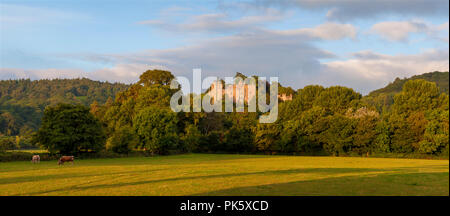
column 35, row 159
column 65, row 159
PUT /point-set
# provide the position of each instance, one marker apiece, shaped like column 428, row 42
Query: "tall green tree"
column 436, row 134
column 408, row 121
column 338, row 137
column 156, row 129
column 70, row 129
column 337, row 99
column 151, row 77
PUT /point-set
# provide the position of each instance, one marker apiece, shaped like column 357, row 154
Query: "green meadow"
column 222, row 174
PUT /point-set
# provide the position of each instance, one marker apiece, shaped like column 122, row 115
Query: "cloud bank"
column 295, row 63
column 247, row 44
column 348, row 10
column 401, row 30
column 367, row 70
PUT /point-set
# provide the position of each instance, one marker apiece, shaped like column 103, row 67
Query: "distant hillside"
column 23, row 101
column 440, row 78
column 384, row 97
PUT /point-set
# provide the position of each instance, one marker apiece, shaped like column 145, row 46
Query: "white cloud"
column 256, row 50
column 265, row 53
column 51, row 73
column 123, row 73
column 296, row 64
column 356, row 9
column 216, row 22
column 326, row 31
column 288, row 54
column 220, row 22
column 368, row 70
column 401, row 30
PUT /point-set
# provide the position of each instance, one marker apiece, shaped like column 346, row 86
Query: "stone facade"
column 232, row 90
column 285, row 97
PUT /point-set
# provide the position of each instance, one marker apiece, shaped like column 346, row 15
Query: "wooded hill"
column 23, row 101
column 440, row 78
column 384, row 97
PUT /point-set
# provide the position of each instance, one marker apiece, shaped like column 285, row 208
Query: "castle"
column 234, row 90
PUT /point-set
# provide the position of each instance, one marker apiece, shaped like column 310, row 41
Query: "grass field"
column 209, row 174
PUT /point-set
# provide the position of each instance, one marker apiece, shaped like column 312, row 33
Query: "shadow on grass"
column 23, row 179
column 151, row 160
column 276, row 172
column 385, row 184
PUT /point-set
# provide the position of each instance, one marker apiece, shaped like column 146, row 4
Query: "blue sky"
column 360, row 44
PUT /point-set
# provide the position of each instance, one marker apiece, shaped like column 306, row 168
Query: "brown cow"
column 35, row 159
column 63, row 159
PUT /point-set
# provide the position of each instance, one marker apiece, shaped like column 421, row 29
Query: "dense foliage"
column 317, row 121
column 334, row 121
column 70, row 129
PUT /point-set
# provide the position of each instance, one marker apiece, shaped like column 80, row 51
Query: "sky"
column 361, row 44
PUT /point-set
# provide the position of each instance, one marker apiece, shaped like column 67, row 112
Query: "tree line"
column 317, row 121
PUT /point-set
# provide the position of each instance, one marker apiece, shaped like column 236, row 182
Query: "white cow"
column 35, row 159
